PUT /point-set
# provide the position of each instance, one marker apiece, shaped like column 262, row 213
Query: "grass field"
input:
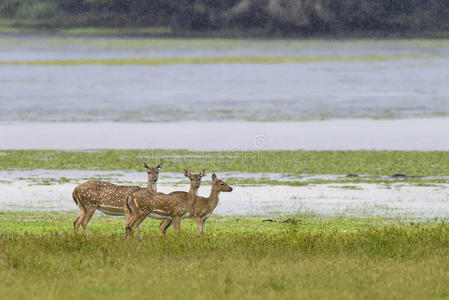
column 375, row 163
column 292, row 257
column 41, row 258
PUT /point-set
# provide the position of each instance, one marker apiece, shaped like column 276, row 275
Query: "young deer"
column 171, row 207
column 107, row 197
column 203, row 207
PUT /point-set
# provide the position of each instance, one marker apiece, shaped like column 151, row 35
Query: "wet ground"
column 51, row 190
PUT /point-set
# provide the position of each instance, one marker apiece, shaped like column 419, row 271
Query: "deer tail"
column 74, row 198
column 129, row 205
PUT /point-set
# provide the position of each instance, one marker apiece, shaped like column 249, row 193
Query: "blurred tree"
column 72, row 6
column 274, row 17
column 248, row 13
column 8, row 8
column 36, row 9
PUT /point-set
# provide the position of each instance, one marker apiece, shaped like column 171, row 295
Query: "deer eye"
column 222, row 184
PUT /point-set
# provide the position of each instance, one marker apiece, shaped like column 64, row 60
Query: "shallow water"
column 399, row 88
column 41, row 47
column 362, row 200
column 40, row 190
column 51, row 177
column 139, row 178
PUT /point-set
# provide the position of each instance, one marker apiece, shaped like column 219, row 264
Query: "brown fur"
column 171, row 207
column 203, row 207
column 107, row 197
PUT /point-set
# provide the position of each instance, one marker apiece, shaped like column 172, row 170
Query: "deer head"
column 195, row 179
column 220, row 185
column 153, row 173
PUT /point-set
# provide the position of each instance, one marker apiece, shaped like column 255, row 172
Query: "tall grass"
column 394, row 261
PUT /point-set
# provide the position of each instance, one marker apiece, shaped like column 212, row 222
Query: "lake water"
column 413, row 83
column 388, row 94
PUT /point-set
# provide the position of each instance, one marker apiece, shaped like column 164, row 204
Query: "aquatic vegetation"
column 126, row 31
column 407, row 45
column 296, row 163
column 212, row 60
column 373, row 180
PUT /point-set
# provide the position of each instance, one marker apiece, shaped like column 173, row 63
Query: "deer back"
column 100, row 193
column 143, row 202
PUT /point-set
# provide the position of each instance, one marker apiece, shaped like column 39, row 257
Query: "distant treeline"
column 273, row 17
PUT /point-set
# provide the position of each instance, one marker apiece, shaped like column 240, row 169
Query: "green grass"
column 42, row 222
column 31, row 27
column 412, row 181
column 40, row 258
column 126, row 31
column 212, row 60
column 49, row 41
column 375, row 163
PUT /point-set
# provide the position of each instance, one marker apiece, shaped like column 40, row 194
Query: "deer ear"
column 187, row 173
column 159, row 166
column 146, row 166
column 203, row 173
column 214, row 177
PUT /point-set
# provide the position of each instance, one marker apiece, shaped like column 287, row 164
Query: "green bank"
column 375, row 163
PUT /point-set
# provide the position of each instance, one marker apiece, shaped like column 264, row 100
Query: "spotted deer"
column 203, row 207
column 107, row 197
column 172, row 208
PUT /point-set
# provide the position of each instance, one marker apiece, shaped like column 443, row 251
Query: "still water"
column 413, row 84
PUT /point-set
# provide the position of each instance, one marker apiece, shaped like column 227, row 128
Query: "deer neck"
column 193, row 193
column 213, row 198
column 151, row 186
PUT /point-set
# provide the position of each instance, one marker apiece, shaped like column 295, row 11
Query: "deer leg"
column 165, row 224
column 128, row 231
column 133, row 223
column 129, row 221
column 200, row 223
column 139, row 229
column 77, row 222
column 82, row 213
column 162, row 226
column 87, row 218
column 203, row 226
column 136, row 223
column 177, row 224
column 169, row 223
